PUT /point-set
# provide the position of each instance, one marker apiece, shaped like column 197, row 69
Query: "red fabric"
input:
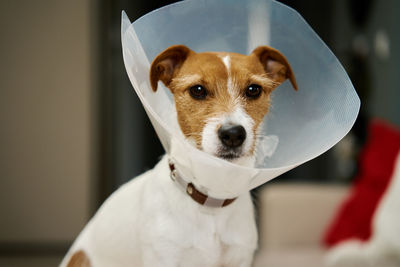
column 376, row 165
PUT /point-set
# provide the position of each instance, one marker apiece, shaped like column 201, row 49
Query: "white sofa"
column 292, row 220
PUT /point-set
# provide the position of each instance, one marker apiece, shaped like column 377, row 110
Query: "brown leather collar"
column 195, row 194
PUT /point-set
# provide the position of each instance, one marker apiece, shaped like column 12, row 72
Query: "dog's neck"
column 195, row 193
column 191, row 190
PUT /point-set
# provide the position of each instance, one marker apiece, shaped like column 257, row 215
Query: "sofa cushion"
column 296, row 215
column 299, row 257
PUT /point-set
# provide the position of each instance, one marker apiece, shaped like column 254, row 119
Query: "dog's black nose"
column 232, row 135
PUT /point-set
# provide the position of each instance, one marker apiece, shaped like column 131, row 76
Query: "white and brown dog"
column 221, row 99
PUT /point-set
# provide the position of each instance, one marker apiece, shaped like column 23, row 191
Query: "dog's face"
column 221, row 98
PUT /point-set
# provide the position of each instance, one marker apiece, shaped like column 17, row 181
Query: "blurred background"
column 72, row 129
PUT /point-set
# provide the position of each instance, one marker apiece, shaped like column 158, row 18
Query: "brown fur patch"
column 79, row 259
column 166, row 64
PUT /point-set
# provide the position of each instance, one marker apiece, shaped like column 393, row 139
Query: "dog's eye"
column 253, row 91
column 198, row 92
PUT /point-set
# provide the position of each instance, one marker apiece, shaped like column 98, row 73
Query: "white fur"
column 229, row 83
column 383, row 249
column 210, row 141
column 150, row 222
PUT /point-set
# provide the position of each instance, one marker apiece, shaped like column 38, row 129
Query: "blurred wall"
column 377, row 39
column 47, row 122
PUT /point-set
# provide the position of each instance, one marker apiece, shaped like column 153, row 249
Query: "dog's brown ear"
column 166, row 64
column 275, row 64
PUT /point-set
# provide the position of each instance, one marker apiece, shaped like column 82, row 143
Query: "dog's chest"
column 200, row 236
column 208, row 253
column 205, row 244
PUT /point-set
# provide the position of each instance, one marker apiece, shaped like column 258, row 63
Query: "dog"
column 221, row 99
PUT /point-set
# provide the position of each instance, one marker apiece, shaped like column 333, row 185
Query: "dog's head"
column 221, row 98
